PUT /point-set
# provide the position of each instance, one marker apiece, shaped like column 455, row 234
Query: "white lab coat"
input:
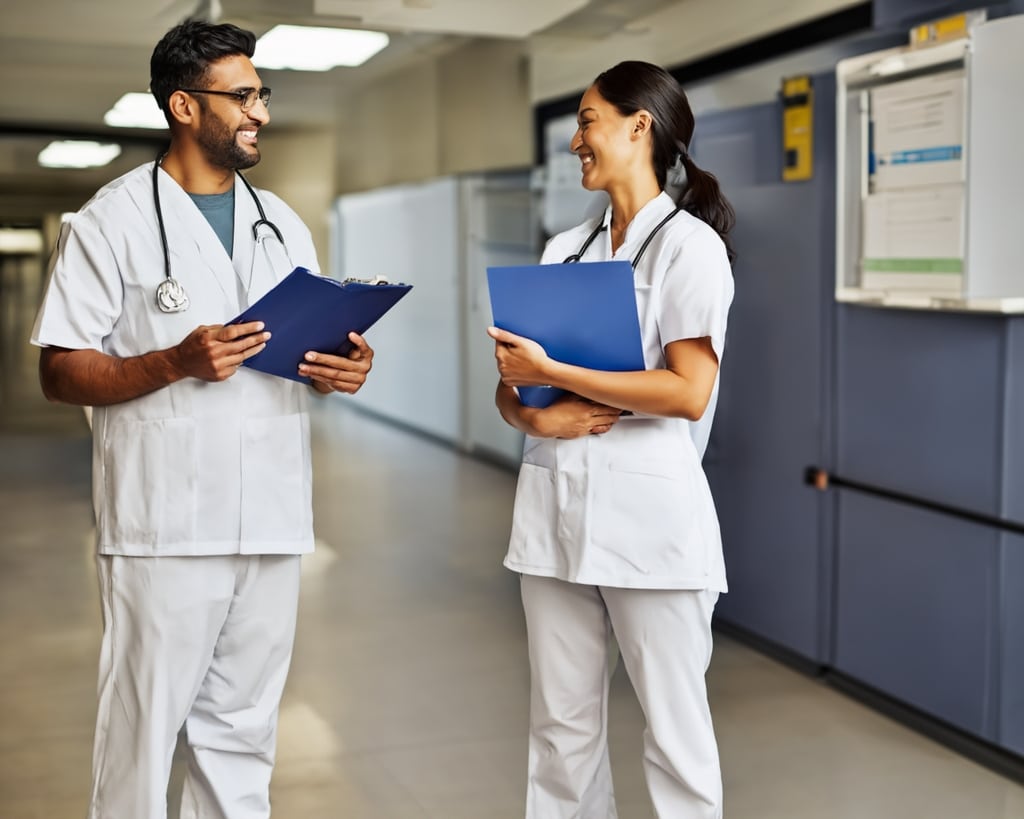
column 631, row 508
column 195, row 468
column 203, row 501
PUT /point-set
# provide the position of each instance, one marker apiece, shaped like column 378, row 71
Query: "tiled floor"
column 408, row 692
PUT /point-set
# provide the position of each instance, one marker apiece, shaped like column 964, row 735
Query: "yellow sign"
column 797, row 129
column 948, row 28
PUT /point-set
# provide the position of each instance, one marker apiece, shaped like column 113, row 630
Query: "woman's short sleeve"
column 697, row 290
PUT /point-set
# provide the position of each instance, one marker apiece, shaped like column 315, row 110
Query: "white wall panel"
column 500, row 229
column 409, row 233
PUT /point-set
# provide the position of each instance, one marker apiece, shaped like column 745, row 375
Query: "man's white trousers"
column 203, row 642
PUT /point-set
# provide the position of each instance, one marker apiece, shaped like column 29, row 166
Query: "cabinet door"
column 917, row 604
column 1011, row 685
column 919, row 403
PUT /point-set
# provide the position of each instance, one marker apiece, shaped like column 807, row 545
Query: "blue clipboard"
column 306, row 312
column 582, row 313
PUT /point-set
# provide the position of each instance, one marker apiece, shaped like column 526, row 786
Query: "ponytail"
column 702, row 197
column 631, row 86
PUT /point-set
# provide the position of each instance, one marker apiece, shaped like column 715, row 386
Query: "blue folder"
column 309, row 312
column 582, row 313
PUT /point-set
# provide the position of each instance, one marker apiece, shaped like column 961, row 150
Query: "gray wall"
column 923, row 606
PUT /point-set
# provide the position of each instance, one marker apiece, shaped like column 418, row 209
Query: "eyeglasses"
column 246, row 99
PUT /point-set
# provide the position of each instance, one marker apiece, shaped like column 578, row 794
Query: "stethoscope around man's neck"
column 170, row 295
column 602, row 226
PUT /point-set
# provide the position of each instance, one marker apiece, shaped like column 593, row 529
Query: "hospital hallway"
column 408, row 693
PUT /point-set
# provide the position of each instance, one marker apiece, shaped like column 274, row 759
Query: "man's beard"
column 222, row 148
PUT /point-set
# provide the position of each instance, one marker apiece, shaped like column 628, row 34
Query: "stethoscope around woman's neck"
column 170, row 295
column 602, row 226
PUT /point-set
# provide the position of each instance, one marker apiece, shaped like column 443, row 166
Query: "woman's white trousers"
column 664, row 637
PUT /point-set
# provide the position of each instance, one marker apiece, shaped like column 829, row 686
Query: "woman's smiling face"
column 604, row 141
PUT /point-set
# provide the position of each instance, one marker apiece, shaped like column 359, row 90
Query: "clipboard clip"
column 374, row 280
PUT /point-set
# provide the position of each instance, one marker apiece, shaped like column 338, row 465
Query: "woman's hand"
column 570, row 416
column 521, row 362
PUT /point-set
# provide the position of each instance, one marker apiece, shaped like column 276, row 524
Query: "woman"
column 614, row 529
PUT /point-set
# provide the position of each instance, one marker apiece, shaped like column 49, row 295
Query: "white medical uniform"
column 203, row 502
column 618, row 533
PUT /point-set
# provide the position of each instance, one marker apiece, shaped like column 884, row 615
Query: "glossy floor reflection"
column 408, row 692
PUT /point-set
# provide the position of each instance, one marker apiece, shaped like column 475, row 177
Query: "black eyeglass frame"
column 246, row 99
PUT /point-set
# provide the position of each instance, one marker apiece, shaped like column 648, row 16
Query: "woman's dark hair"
column 633, row 86
column 183, row 57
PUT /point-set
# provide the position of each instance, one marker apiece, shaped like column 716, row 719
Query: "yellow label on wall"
column 797, row 129
column 948, row 28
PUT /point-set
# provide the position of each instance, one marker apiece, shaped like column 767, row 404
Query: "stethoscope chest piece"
column 171, row 296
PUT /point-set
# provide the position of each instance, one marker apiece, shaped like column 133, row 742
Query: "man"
column 201, row 469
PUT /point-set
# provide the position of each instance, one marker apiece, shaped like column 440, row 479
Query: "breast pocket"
column 270, row 264
column 149, row 484
column 647, row 316
column 643, row 300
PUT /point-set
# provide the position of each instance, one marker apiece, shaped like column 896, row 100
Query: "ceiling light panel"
column 78, row 153
column 309, row 48
column 21, row 240
column 135, row 110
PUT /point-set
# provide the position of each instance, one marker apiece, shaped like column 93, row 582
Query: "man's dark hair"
column 183, row 57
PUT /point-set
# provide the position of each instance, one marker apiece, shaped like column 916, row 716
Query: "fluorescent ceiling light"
column 78, row 153
column 21, row 240
column 306, row 48
column 135, row 110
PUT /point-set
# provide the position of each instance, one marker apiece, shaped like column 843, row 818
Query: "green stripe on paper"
column 913, row 265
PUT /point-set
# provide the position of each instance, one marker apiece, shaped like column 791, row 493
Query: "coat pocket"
column 276, row 480
column 534, row 518
column 149, row 483
column 646, row 515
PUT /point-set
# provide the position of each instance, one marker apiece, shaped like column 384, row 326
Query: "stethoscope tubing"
column 575, row 257
column 168, row 279
column 263, row 220
column 160, row 219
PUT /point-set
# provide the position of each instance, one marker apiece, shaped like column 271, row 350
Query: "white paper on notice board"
column 918, row 131
column 914, row 239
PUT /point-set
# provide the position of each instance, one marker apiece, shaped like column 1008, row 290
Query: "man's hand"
column 94, row 379
column 215, row 352
column 332, row 373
